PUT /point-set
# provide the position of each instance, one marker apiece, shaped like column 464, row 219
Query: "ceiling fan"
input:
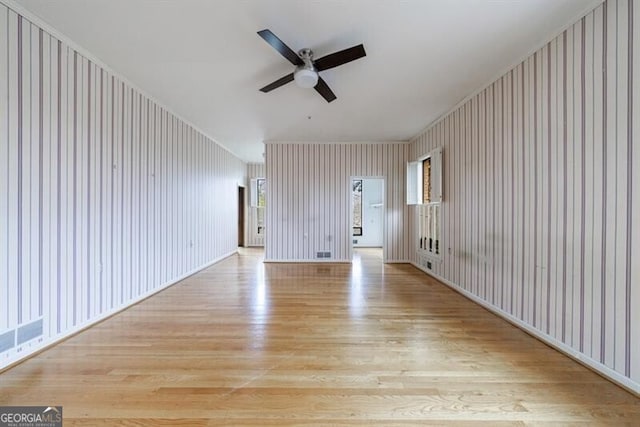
column 307, row 68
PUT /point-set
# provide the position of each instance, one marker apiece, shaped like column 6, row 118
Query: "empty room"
column 305, row 212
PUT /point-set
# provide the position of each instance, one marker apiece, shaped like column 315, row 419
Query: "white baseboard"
column 334, row 261
column 581, row 358
column 309, row 261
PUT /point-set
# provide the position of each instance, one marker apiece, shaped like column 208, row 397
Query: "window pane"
column 260, row 220
column 426, row 180
column 357, row 207
column 262, row 189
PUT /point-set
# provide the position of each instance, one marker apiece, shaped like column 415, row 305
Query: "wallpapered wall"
column 105, row 196
column 309, row 198
column 542, row 174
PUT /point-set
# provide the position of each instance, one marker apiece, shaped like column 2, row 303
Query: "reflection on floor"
column 244, row 343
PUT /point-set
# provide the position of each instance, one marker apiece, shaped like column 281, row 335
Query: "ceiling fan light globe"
column 306, row 78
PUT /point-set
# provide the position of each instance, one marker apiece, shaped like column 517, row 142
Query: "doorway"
column 241, row 203
column 367, row 213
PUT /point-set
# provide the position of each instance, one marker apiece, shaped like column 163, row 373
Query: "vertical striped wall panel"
column 254, row 170
column 308, row 198
column 541, row 174
column 105, row 196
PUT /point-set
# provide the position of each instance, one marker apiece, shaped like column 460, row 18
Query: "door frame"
column 384, row 213
column 242, row 216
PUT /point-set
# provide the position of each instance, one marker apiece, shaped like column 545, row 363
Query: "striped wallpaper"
column 309, row 198
column 105, row 196
column 541, row 189
column 254, row 170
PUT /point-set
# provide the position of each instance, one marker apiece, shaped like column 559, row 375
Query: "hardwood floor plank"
column 243, row 343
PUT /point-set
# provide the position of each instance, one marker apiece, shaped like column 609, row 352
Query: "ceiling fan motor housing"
column 306, row 75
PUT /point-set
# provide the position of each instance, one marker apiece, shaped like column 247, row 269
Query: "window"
column 260, row 221
column 429, row 228
column 356, row 194
column 424, row 189
column 424, row 179
column 259, row 202
column 262, row 192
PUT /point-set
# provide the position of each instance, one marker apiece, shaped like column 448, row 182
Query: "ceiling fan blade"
column 278, row 45
column 280, row 82
column 339, row 58
column 323, row 89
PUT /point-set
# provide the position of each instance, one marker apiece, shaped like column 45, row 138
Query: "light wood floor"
column 243, row 343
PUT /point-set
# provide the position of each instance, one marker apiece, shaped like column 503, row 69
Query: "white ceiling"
column 204, row 60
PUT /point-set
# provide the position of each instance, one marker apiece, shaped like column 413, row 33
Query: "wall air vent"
column 29, row 331
column 15, row 337
column 7, row 340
